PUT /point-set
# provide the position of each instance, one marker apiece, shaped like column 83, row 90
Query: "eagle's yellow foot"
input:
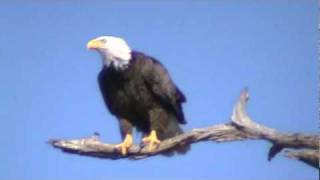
column 152, row 141
column 125, row 145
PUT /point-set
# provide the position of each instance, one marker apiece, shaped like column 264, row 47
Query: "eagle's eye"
column 103, row 40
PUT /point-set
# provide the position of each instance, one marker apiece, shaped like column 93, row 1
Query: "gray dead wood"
column 241, row 128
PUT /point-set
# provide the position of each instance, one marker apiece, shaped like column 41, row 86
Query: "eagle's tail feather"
column 173, row 129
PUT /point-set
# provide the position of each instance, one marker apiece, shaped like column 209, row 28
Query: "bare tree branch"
column 279, row 140
column 240, row 128
column 310, row 157
column 91, row 146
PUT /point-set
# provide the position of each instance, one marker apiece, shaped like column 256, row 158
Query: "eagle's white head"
column 114, row 50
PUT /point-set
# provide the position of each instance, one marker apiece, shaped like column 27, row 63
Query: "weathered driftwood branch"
column 240, row 128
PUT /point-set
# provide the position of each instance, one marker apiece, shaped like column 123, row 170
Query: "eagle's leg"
column 126, row 133
column 126, row 144
column 152, row 141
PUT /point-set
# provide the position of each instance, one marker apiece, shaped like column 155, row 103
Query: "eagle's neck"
column 116, row 63
column 119, row 60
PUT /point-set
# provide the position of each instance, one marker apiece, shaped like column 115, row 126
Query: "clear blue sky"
column 212, row 49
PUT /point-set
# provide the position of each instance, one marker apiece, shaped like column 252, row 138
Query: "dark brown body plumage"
column 143, row 96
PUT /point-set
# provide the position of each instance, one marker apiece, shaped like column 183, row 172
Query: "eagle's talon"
column 125, row 145
column 152, row 141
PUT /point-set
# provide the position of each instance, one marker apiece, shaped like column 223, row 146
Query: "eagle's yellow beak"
column 94, row 44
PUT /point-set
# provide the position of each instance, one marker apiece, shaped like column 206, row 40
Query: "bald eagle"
column 139, row 92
